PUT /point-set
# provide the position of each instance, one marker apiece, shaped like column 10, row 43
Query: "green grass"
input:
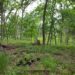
column 55, row 58
column 3, row 62
column 55, row 63
column 29, row 41
column 49, row 63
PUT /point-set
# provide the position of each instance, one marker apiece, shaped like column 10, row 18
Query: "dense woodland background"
column 52, row 22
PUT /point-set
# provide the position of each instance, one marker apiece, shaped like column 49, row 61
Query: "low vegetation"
column 39, row 59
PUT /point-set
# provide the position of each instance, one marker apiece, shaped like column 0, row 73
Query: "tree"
column 2, row 12
column 52, row 21
column 43, row 25
column 69, row 21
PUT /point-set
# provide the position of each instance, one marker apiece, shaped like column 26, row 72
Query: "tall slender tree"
column 52, row 22
column 43, row 25
column 2, row 14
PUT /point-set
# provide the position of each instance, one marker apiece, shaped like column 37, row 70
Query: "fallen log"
column 7, row 47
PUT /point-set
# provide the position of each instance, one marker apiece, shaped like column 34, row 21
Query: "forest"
column 37, row 37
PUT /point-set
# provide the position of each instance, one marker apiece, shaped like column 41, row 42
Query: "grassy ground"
column 53, row 60
column 47, row 60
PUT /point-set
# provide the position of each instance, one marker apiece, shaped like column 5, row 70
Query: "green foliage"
column 3, row 62
column 49, row 63
column 59, row 18
column 69, row 20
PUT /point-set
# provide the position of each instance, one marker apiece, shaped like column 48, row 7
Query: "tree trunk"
column 61, row 34
column 43, row 25
column 55, row 38
column 2, row 20
column 52, row 23
column 21, row 31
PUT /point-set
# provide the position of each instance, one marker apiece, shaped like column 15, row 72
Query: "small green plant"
column 3, row 62
column 49, row 63
column 11, row 72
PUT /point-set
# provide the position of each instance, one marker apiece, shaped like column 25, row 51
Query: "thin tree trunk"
column 67, row 37
column 2, row 20
column 21, row 32
column 61, row 34
column 61, row 37
column 52, row 23
column 51, row 29
column 43, row 25
column 55, row 38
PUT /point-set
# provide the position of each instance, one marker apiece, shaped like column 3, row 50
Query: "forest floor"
column 42, row 60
